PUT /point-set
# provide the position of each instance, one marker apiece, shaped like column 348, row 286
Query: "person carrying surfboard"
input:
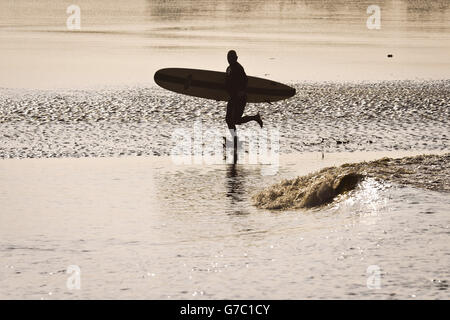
column 236, row 85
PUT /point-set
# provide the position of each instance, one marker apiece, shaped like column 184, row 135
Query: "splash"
column 322, row 187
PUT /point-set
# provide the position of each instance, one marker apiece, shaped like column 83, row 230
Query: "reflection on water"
column 301, row 22
column 47, row 12
column 282, row 9
column 236, row 176
column 222, row 189
column 234, row 180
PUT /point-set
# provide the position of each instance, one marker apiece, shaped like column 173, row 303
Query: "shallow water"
column 328, row 117
column 123, row 43
column 145, row 228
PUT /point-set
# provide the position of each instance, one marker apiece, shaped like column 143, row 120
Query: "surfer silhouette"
column 236, row 85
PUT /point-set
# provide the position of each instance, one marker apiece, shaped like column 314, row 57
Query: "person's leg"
column 230, row 117
column 239, row 119
column 246, row 119
column 238, row 110
column 256, row 118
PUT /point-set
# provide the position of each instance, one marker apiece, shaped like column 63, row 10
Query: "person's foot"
column 258, row 119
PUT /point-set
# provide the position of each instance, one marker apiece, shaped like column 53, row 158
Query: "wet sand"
column 328, row 117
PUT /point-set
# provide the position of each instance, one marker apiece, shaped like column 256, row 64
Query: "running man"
column 236, row 85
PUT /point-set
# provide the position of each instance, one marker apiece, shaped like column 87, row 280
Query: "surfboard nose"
column 156, row 75
column 161, row 74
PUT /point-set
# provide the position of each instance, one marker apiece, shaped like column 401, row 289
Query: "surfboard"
column 211, row 85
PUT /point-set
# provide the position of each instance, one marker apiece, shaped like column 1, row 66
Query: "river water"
column 145, row 228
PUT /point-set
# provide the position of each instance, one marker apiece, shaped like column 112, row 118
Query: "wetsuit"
column 236, row 84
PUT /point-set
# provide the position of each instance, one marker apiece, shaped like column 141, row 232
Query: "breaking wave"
column 322, row 187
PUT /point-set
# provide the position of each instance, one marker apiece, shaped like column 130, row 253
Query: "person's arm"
column 229, row 82
column 244, row 83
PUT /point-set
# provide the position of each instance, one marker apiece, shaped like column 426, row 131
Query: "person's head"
column 232, row 57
